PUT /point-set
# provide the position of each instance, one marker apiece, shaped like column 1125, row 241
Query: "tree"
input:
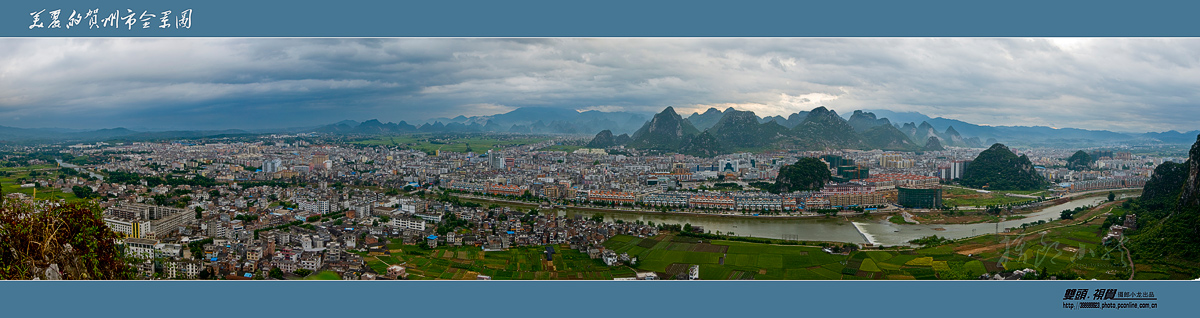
column 1111, row 196
column 1066, row 215
column 93, row 252
column 303, row 272
column 276, row 273
column 83, row 192
column 806, row 174
column 1079, row 161
column 184, row 201
column 998, row 168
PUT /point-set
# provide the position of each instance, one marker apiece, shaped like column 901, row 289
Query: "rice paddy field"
column 9, row 180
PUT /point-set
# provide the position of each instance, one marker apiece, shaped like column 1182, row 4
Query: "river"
column 78, row 168
column 809, row 229
column 836, row 229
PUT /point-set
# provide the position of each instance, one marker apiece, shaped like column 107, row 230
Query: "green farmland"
column 966, row 197
column 1067, row 249
column 721, row 260
column 324, row 275
column 10, row 177
column 468, row 262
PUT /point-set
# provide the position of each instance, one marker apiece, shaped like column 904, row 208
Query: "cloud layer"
column 1132, row 85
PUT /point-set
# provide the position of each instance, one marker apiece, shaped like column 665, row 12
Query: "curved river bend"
column 838, row 230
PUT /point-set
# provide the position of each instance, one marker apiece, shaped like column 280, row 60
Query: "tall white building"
column 139, row 220
column 272, row 165
column 495, row 160
column 958, row 167
column 405, row 222
column 318, row 206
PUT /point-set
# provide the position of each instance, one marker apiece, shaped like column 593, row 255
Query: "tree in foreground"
column 68, row 241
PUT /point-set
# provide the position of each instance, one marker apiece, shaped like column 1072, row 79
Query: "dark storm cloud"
column 1115, row 84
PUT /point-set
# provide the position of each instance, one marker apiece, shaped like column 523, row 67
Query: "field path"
column 1025, row 237
column 1132, row 269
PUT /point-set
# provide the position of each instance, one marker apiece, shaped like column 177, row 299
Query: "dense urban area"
column 524, row 205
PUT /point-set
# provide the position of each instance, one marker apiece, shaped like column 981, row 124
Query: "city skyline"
column 1116, row 84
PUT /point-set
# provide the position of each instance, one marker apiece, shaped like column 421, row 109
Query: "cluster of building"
column 246, row 224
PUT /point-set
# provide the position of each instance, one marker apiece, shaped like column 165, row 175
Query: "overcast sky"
column 1128, row 85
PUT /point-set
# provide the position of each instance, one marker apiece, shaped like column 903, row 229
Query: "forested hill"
column 1168, row 213
column 998, row 168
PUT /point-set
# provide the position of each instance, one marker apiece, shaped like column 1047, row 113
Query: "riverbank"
column 482, row 199
column 849, row 227
column 919, row 217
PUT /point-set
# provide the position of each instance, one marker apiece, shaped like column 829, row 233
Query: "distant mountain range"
column 536, row 120
column 1034, row 135
column 52, row 135
column 715, row 132
column 733, row 129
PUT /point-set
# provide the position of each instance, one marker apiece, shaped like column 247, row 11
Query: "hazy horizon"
column 1116, row 84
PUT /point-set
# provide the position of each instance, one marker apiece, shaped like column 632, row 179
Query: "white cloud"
column 1093, row 83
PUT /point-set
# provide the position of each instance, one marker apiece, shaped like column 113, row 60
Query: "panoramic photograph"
column 599, row 159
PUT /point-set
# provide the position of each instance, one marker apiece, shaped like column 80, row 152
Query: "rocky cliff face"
column 862, row 121
column 705, row 120
column 824, row 129
column 887, row 137
column 1163, row 188
column 666, row 131
column 1171, row 212
column 1190, row 197
column 933, row 145
column 741, row 129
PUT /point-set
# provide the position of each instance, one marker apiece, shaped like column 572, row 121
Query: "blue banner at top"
column 617, row 18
